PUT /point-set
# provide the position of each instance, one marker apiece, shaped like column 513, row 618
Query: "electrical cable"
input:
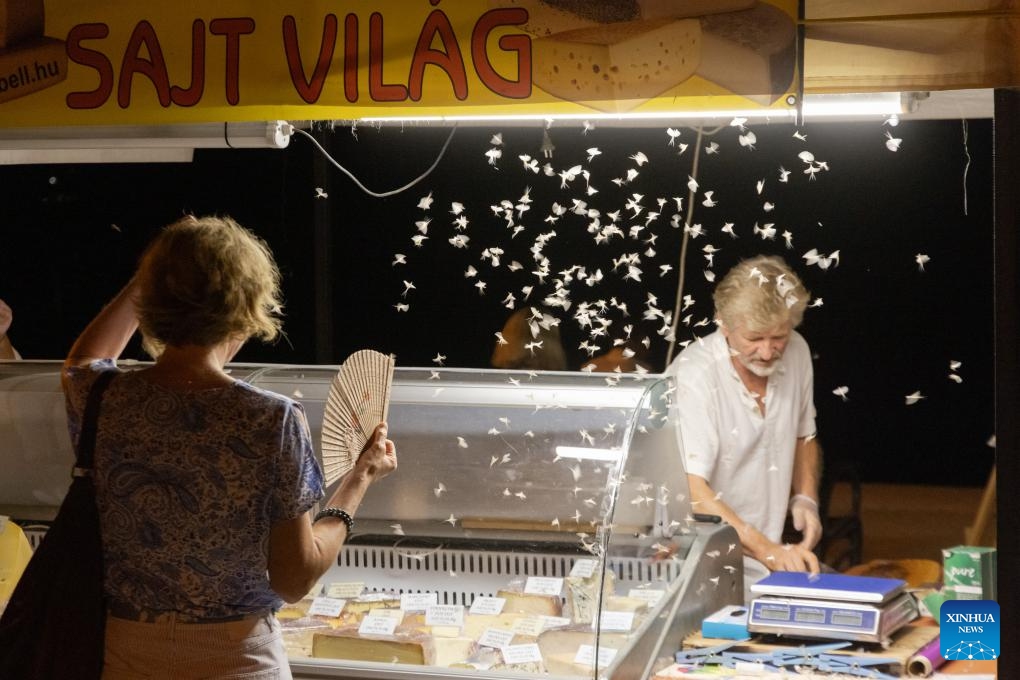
column 357, row 183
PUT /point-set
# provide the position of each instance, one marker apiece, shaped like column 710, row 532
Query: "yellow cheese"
column 751, row 53
column 559, row 648
column 526, row 603
column 20, row 21
column 617, row 66
column 546, row 18
column 414, row 648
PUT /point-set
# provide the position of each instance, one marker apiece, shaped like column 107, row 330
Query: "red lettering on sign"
column 517, row 43
column 377, row 89
column 311, row 89
column 192, row 95
column 90, row 59
column 351, row 57
column 233, row 29
column 449, row 59
column 154, row 68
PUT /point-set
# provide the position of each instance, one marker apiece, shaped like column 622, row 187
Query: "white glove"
column 806, row 520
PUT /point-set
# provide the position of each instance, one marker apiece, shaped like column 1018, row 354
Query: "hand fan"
column 358, row 400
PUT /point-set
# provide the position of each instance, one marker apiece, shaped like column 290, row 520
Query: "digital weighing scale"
column 830, row 606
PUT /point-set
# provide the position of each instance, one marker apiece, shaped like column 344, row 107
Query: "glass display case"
column 538, row 523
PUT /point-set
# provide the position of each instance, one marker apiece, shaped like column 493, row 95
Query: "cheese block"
column 453, row 651
column 294, row 610
column 751, row 53
column 582, row 595
column 559, row 648
column 622, row 603
column 526, row 603
column 547, row 17
column 614, row 67
column 407, row 647
column 298, row 634
column 20, row 20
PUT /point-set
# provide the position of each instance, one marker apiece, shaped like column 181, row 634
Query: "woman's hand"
column 379, row 457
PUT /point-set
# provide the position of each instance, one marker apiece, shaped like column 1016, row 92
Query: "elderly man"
column 747, row 417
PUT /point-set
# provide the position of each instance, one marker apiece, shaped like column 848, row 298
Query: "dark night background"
column 72, row 234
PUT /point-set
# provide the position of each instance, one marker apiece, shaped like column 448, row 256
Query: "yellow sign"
column 118, row 62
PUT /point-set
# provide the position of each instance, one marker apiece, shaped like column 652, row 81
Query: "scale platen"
column 830, row 606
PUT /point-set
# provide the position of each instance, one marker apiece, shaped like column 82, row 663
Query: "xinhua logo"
column 969, row 629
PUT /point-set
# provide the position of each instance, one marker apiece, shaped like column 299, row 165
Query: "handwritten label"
column 586, row 654
column 531, row 625
column 584, row 568
column 377, row 625
column 345, row 590
column 494, row 637
column 616, row 620
column 418, row 602
column 554, row 622
column 444, row 615
column 543, row 585
column 487, row 605
column 528, row 653
column 326, row 606
column 652, row 597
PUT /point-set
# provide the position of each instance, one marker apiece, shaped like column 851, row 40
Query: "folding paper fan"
column 358, row 400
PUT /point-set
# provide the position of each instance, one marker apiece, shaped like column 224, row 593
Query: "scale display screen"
column 811, row 616
column 775, row 613
column 847, row 618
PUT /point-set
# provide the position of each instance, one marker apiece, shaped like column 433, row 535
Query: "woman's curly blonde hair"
column 204, row 280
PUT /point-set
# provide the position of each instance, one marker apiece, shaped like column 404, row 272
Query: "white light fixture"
column 586, row 453
column 136, row 143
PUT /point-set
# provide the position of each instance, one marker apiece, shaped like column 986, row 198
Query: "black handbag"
column 55, row 623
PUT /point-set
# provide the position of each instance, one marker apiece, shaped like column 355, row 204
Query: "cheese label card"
column 326, row 606
column 374, row 624
column 417, row 602
column 521, row 653
column 345, row 590
column 652, row 597
column 530, row 625
column 487, row 605
column 494, row 637
column 444, row 615
column 616, row 620
column 554, row 622
column 584, row 568
column 543, row 585
column 586, row 654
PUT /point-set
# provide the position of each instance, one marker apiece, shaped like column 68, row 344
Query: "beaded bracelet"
column 339, row 514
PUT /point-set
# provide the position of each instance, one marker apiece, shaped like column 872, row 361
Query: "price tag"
column 444, row 615
column 586, row 654
column 345, row 590
column 326, row 606
column 652, row 597
column 377, row 625
column 494, row 637
column 543, row 585
column 487, row 605
column 530, row 625
column 554, row 622
column 417, row 602
column 584, row 568
column 528, row 653
column 617, row 620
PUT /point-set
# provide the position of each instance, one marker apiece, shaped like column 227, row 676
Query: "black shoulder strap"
column 89, row 419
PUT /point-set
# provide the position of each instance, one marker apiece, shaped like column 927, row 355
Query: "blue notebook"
column 842, row 587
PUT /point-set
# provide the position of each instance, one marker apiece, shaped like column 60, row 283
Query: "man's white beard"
column 760, row 370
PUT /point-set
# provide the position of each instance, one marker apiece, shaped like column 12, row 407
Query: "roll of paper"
column 924, row 662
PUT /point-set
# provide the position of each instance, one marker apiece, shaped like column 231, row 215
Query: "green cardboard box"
column 968, row 572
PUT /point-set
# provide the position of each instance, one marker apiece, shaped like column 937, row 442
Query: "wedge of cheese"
column 560, row 648
column 582, row 595
column 750, row 53
column 614, row 67
column 414, row 648
column 526, row 603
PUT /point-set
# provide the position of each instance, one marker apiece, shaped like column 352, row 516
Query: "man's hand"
column 787, row 557
column 804, row 511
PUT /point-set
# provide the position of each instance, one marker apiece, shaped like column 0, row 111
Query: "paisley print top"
column 188, row 486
